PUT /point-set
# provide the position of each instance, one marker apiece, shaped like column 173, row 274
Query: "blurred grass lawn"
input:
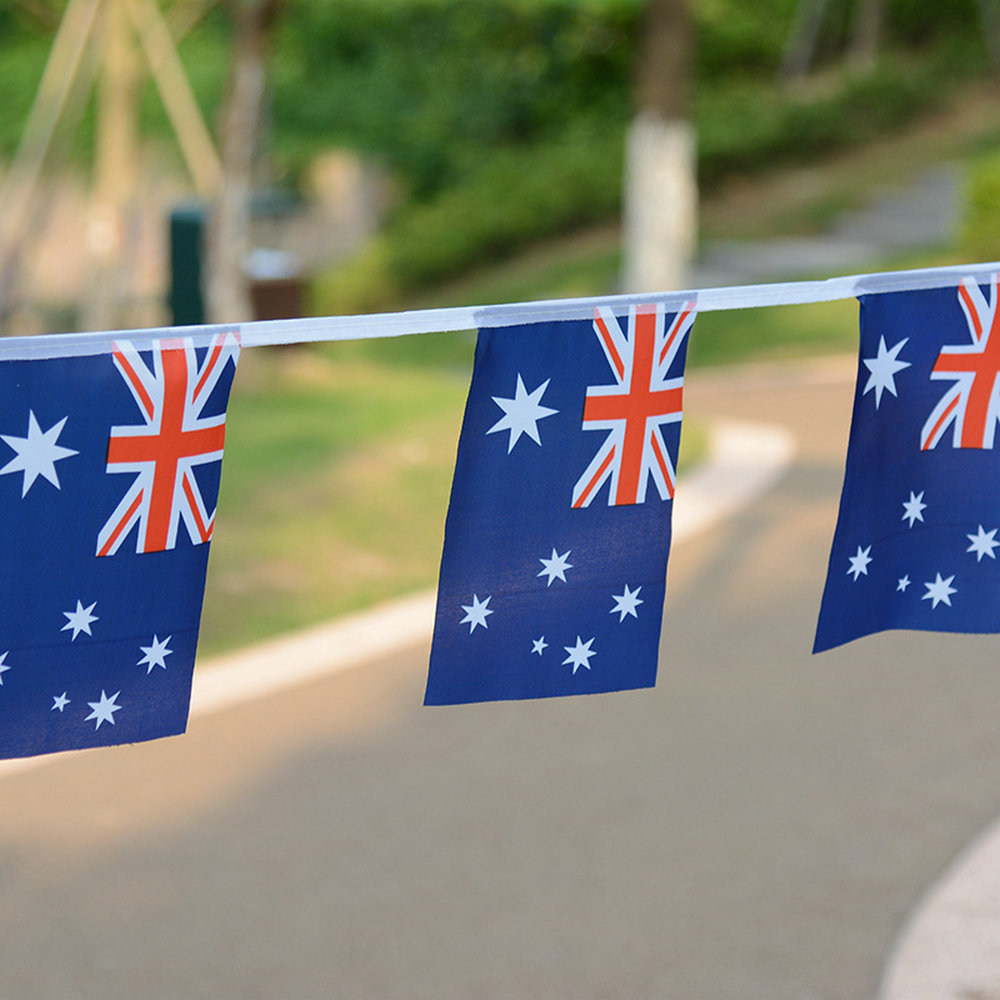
column 334, row 488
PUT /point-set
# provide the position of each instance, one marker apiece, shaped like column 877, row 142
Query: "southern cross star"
column 539, row 645
column 913, row 509
column 883, row 368
column 156, row 654
column 626, row 603
column 522, row 413
column 80, row 620
column 859, row 563
column 983, row 543
column 475, row 613
column 580, row 654
column 940, row 590
column 103, row 710
column 555, row 567
column 37, row 453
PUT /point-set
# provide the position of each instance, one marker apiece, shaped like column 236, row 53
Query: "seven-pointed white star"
column 913, row 509
column 625, row 604
column 104, row 710
column 59, row 701
column 3, row 666
column 904, row 582
column 475, row 613
column 156, row 655
column 555, row 567
column 940, row 590
column 580, row 654
column 883, row 368
column 859, row 563
column 539, row 645
column 983, row 543
column 37, row 453
column 522, row 413
column 79, row 620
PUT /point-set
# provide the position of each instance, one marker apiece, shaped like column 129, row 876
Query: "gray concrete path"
column 758, row 827
column 921, row 212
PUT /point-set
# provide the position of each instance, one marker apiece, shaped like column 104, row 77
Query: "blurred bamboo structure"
column 109, row 44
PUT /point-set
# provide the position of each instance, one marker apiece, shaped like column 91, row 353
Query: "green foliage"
column 22, row 58
column 502, row 121
column 726, row 337
column 334, row 489
column 980, row 230
column 25, row 44
column 747, row 126
column 518, row 196
column 916, row 22
column 737, row 39
column 528, row 191
column 434, row 87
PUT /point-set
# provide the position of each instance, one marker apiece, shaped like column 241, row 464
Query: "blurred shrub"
column 530, row 190
column 737, row 39
column 748, row 126
column 521, row 194
column 980, row 229
column 434, row 87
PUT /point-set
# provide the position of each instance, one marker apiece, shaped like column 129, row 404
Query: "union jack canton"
column 634, row 409
column 163, row 452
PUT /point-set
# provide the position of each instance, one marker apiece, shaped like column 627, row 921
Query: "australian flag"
column 556, row 542
column 916, row 540
column 109, row 474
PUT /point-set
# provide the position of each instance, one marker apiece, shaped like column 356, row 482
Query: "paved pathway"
column 757, row 827
column 923, row 213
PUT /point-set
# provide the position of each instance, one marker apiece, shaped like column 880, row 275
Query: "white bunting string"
column 264, row 333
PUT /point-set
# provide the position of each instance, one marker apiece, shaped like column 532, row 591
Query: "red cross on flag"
column 633, row 410
column 972, row 404
column 164, row 450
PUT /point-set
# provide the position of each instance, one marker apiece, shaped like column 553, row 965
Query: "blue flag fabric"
column 109, row 473
column 554, row 564
column 916, row 540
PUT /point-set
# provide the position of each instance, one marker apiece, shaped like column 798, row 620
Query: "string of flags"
column 558, row 529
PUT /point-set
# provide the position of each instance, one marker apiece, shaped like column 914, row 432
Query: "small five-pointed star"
column 939, row 591
column 80, row 620
column 983, row 543
column 37, row 453
column 3, row 666
column 475, row 613
column 625, row 604
column 913, row 509
column 522, row 413
column 555, row 567
column 156, row 654
column 59, row 701
column 859, row 563
column 580, row 654
column 103, row 710
column 903, row 583
column 883, row 368
column 539, row 645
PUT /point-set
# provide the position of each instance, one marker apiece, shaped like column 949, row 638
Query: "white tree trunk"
column 661, row 203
